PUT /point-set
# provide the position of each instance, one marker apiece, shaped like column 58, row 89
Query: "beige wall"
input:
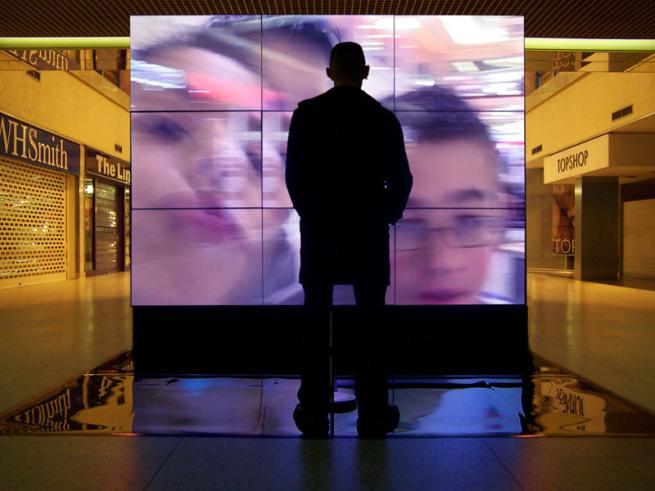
column 81, row 106
column 583, row 109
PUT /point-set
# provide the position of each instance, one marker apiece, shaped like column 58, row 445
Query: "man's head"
column 347, row 64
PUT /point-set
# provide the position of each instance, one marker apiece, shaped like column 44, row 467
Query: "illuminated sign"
column 100, row 164
column 22, row 141
column 578, row 160
column 45, row 59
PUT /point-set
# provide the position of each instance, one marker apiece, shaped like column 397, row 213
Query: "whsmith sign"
column 45, row 59
column 103, row 165
column 22, row 141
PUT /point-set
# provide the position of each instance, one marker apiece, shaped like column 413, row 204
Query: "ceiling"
column 627, row 19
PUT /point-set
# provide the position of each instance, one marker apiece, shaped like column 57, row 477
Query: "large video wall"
column 212, row 98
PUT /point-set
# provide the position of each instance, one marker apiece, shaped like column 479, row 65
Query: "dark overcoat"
column 349, row 179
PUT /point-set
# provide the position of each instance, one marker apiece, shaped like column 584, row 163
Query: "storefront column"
column 597, row 234
column 81, row 243
column 72, row 227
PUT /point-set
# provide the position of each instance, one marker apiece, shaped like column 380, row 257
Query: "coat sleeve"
column 399, row 178
column 296, row 163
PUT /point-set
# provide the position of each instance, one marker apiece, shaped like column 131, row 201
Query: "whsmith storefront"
column 39, row 172
column 64, row 165
column 39, row 179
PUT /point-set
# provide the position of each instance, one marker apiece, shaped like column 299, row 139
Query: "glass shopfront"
column 106, row 214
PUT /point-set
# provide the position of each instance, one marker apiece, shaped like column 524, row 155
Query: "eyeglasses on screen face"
column 464, row 231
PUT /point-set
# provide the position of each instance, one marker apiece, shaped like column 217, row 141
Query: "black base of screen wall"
column 481, row 339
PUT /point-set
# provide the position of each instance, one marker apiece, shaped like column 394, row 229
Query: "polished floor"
column 606, row 333
column 112, row 399
column 52, row 333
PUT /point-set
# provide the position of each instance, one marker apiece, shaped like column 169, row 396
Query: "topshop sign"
column 587, row 157
column 572, row 161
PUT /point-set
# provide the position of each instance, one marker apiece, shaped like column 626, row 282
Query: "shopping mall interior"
column 141, row 349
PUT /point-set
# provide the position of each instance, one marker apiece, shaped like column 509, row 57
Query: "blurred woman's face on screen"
column 448, row 232
column 204, row 168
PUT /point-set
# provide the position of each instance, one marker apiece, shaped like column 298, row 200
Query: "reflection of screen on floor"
column 211, row 102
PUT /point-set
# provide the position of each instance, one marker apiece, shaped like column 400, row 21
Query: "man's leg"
column 314, row 393
column 372, row 377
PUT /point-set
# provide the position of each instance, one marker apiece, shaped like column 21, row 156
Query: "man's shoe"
column 312, row 425
column 377, row 425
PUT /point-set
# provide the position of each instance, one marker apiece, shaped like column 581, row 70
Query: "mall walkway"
column 55, row 331
column 602, row 332
column 52, row 332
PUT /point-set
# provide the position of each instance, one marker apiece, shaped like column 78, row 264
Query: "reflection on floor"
column 110, row 399
column 632, row 282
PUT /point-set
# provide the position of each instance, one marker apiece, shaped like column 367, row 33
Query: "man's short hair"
column 438, row 114
column 347, row 60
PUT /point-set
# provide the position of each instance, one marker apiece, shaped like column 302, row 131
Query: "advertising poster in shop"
column 563, row 219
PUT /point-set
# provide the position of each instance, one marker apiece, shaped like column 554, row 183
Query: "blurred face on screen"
column 443, row 255
column 293, row 70
column 204, row 168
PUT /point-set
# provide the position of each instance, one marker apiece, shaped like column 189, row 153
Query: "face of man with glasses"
column 452, row 223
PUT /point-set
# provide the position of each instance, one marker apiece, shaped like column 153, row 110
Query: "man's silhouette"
column 348, row 178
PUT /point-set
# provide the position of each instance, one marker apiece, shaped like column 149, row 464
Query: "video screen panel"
column 281, row 262
column 212, row 98
column 192, row 63
column 210, row 256
column 296, row 50
column 211, row 159
column 275, row 129
column 480, row 58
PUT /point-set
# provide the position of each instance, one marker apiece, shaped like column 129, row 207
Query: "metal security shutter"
column 108, row 239
column 638, row 238
column 32, row 223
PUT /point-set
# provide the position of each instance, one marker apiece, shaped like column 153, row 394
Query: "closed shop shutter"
column 32, row 224
column 108, row 239
column 639, row 238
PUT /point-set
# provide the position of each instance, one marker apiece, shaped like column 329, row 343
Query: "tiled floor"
column 235, row 464
column 51, row 333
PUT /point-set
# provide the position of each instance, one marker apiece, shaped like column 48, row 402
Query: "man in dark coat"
column 348, row 178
